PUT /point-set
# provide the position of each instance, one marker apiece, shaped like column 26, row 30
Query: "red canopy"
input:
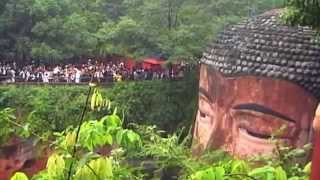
column 154, row 61
column 151, row 63
column 130, row 64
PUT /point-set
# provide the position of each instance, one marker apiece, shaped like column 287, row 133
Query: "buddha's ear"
column 316, row 121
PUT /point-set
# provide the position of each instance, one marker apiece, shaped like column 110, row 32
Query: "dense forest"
column 59, row 30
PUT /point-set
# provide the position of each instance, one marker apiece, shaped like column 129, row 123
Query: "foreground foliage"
column 171, row 159
column 167, row 104
column 106, row 150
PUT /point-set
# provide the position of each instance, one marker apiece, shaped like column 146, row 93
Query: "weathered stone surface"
column 21, row 156
column 222, row 124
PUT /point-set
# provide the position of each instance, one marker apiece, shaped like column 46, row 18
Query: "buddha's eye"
column 259, row 126
column 202, row 114
column 256, row 134
column 205, row 110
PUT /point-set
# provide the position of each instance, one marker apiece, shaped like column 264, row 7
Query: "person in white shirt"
column 78, row 75
column 66, row 74
column 13, row 75
column 45, row 77
column 22, row 74
column 28, row 74
column 56, row 70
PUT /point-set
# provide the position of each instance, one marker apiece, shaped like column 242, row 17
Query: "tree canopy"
column 303, row 12
column 57, row 30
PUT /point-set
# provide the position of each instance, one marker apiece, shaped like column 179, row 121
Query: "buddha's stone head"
column 259, row 79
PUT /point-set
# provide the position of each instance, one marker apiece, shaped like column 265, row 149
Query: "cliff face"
column 21, row 156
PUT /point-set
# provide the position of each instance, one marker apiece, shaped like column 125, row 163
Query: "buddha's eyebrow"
column 264, row 110
column 205, row 93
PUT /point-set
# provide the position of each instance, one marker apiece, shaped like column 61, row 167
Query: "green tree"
column 302, row 12
column 53, row 30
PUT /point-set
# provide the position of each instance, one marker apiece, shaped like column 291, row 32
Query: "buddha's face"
column 241, row 114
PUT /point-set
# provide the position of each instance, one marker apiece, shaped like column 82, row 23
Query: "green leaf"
column 307, row 168
column 101, row 167
column 266, row 172
column 93, row 101
column 86, row 158
column 207, row 174
column 280, row 174
column 99, row 101
column 93, row 134
column 112, row 121
column 70, row 140
column 26, row 130
column 109, row 105
column 219, row 173
column 119, row 137
column 56, row 166
column 108, row 139
column 19, row 176
column 115, row 111
column 239, row 167
column 130, row 139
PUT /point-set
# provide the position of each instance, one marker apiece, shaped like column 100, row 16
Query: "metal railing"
column 18, row 80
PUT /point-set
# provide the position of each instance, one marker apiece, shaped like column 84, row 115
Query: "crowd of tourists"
column 78, row 73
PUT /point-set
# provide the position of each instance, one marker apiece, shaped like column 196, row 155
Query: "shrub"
column 168, row 104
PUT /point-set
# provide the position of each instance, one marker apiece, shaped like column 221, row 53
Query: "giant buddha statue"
column 258, row 78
